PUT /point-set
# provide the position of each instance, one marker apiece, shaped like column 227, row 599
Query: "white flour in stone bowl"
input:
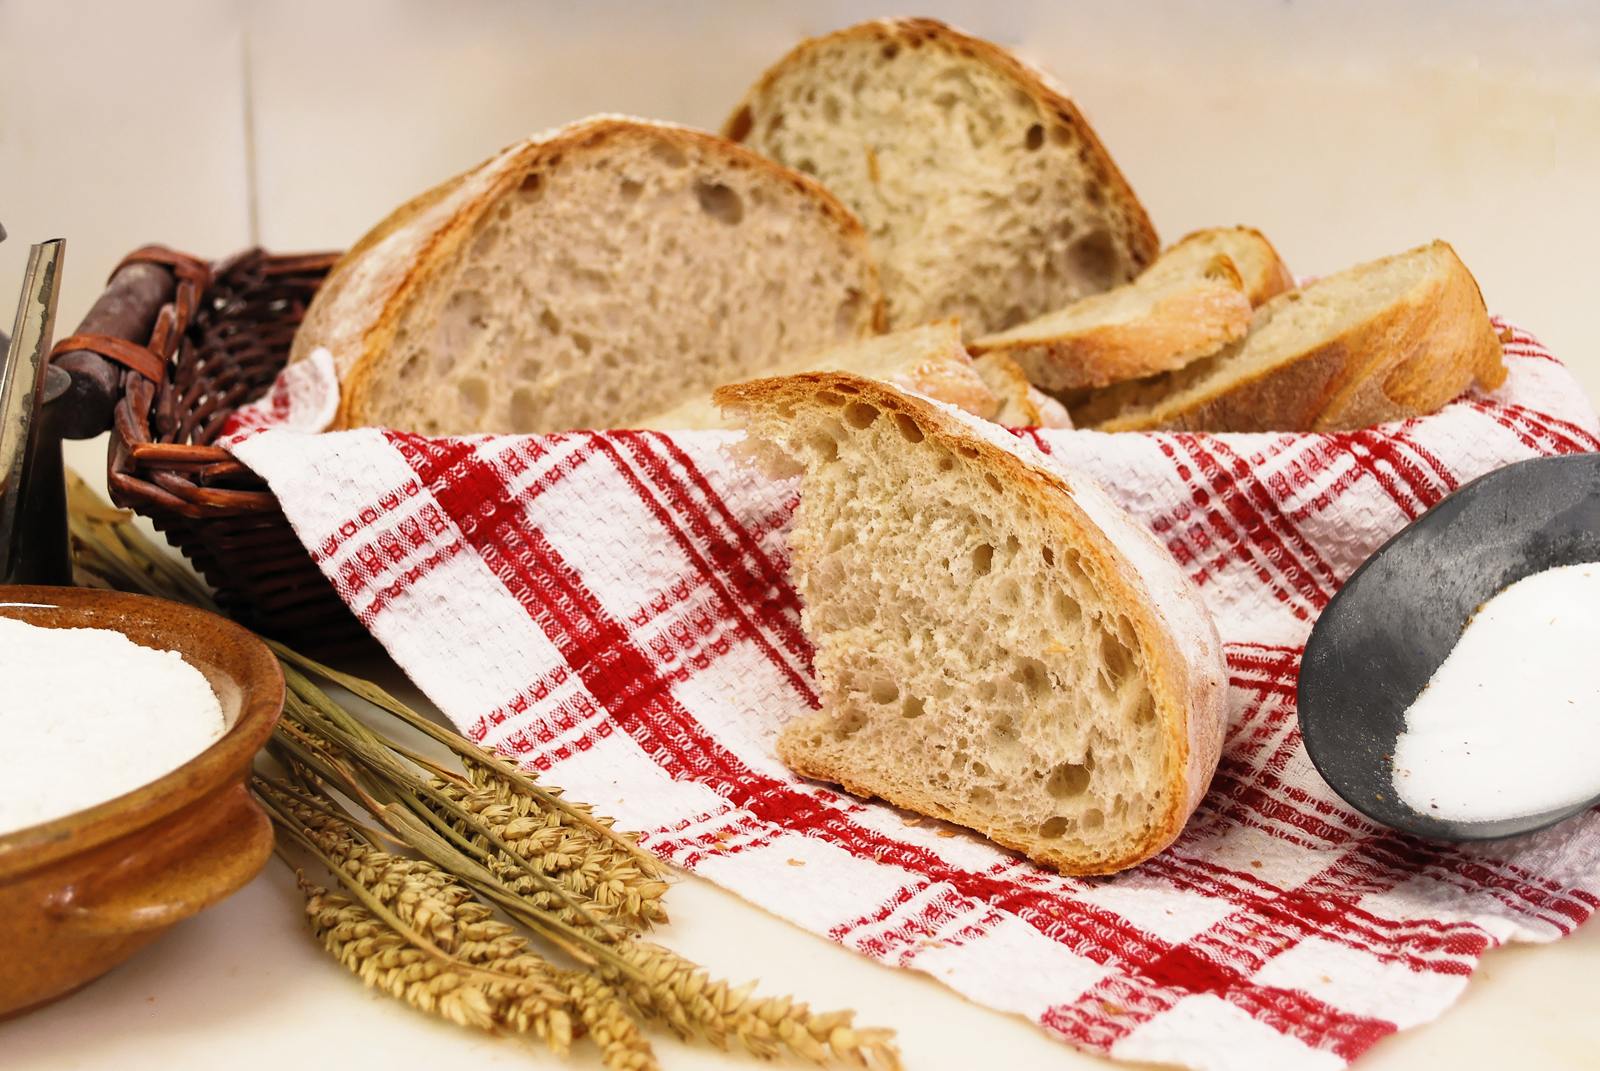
column 86, row 714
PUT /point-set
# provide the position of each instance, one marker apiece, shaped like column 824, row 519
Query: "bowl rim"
column 262, row 687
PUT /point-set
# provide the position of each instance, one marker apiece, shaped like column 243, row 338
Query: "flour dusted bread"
column 1386, row 340
column 928, row 359
column 588, row 278
column 997, row 643
column 984, row 191
column 1191, row 302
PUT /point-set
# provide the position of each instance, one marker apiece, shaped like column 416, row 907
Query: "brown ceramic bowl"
column 80, row 894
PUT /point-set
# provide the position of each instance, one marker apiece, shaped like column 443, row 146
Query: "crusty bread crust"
column 1263, row 271
column 1181, row 652
column 1182, row 317
column 1111, row 192
column 370, row 290
column 1408, row 359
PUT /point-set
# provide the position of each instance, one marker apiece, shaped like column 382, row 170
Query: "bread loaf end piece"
column 1190, row 303
column 1387, row 340
column 997, row 643
column 984, row 191
column 587, row 278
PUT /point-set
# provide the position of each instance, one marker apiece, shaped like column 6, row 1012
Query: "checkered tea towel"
column 613, row 608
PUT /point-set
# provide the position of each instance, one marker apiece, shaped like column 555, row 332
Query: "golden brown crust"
column 1188, row 323
column 1411, row 358
column 370, row 290
column 1182, row 653
column 1261, row 287
column 1143, row 243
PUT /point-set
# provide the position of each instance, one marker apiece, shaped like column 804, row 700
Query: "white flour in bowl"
column 86, row 714
column 1509, row 725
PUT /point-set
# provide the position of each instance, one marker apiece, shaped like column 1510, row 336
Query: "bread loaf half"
column 997, row 643
column 1386, row 340
column 928, row 359
column 1190, row 302
column 984, row 191
column 588, row 278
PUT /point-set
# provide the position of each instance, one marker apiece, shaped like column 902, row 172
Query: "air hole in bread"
column 1093, row 818
column 1068, row 612
column 719, row 202
column 1032, row 675
column 669, row 154
column 827, row 397
column 860, row 415
column 884, row 692
column 1049, row 556
column 908, row 428
column 630, row 189
column 1034, row 138
column 739, row 128
column 982, row 797
column 830, row 108
column 1016, row 314
column 1092, row 259
column 486, row 242
column 775, row 123
column 1117, row 660
column 946, row 463
column 979, row 770
column 849, row 725
column 583, row 342
column 847, row 388
column 1068, row 780
column 994, row 483
column 464, row 317
column 1144, row 708
column 1061, row 135
column 525, row 411
column 551, row 322
column 890, row 50
column 987, row 690
column 473, row 392
column 413, row 365
column 982, row 559
column 825, row 447
column 1051, row 828
column 968, row 452
column 806, row 166
column 912, row 707
column 530, row 183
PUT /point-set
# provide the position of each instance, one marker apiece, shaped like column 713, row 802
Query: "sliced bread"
column 997, row 643
column 1263, row 272
column 928, row 359
column 588, row 278
column 1022, row 405
column 1190, row 302
column 984, row 191
column 1386, row 340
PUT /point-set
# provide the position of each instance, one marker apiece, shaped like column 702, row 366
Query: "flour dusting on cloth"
column 614, row 610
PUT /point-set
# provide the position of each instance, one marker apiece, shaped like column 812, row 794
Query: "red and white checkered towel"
column 613, row 608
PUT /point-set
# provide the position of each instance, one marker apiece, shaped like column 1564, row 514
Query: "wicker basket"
column 218, row 344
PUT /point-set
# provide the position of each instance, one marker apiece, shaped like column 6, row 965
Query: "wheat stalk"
column 422, row 929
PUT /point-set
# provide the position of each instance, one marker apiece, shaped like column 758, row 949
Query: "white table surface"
column 1344, row 131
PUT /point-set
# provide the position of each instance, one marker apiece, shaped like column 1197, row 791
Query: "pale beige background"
column 1344, row 130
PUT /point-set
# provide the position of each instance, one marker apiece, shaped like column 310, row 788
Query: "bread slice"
column 588, row 278
column 997, row 643
column 1263, row 272
column 928, row 359
column 1387, row 340
column 1022, row 405
column 984, row 191
column 1189, row 303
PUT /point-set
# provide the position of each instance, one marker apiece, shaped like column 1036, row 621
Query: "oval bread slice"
column 587, row 278
column 1191, row 302
column 984, row 190
column 997, row 643
column 1386, row 340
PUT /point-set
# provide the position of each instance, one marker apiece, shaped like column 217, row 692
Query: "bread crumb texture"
column 592, row 277
column 985, row 654
column 984, row 192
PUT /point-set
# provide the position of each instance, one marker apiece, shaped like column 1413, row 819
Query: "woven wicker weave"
column 221, row 342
